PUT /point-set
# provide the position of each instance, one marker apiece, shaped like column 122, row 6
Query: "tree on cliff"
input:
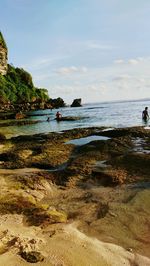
column 2, row 41
column 17, row 87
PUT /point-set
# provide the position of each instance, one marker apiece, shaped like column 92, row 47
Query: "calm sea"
column 112, row 114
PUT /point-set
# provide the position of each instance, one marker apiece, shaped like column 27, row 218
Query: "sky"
column 97, row 50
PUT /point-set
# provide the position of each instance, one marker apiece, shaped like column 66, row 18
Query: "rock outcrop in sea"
column 76, row 103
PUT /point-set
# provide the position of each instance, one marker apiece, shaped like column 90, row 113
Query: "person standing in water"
column 58, row 116
column 145, row 115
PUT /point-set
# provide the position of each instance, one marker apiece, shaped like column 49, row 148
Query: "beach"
column 79, row 197
column 74, row 133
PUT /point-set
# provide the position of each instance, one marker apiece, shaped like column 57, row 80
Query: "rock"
column 56, row 103
column 3, row 55
column 32, row 256
column 70, row 118
column 76, row 103
column 112, row 214
column 52, row 233
column 130, row 250
column 32, row 241
column 41, row 105
column 20, row 115
column 7, row 115
column 20, row 122
column 2, row 137
column 48, row 106
column 57, row 216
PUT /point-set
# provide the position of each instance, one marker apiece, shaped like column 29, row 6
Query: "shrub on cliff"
column 17, row 87
column 2, row 41
column 24, row 77
column 42, row 95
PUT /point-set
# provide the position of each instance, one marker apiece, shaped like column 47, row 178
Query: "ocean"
column 109, row 114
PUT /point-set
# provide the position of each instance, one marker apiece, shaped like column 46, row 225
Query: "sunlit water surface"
column 118, row 114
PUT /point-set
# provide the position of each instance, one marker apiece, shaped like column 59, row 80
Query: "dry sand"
column 61, row 245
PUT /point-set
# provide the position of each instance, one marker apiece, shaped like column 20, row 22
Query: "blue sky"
column 94, row 49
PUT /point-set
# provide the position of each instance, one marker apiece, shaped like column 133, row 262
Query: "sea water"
column 109, row 114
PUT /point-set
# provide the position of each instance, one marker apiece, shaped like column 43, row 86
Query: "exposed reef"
column 20, row 123
column 71, row 118
column 57, row 196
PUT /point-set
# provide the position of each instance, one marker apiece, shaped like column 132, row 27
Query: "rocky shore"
column 83, row 204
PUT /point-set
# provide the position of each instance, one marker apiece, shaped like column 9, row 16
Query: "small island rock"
column 76, row 103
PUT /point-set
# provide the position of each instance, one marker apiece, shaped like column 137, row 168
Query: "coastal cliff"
column 17, row 91
column 3, row 55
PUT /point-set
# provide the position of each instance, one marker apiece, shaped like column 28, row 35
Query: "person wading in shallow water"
column 58, row 116
column 145, row 115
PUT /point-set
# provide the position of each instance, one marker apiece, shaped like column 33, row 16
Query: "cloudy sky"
column 98, row 50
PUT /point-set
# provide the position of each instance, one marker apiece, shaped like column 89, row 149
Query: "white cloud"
column 41, row 77
column 122, row 77
column 123, row 80
column 44, row 62
column 88, row 93
column 93, row 44
column 84, row 69
column 133, row 61
column 71, row 70
column 119, row 61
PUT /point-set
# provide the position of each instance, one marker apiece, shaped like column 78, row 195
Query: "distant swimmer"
column 48, row 119
column 58, row 116
column 145, row 115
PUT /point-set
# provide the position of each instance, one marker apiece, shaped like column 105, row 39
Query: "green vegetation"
column 17, row 91
column 2, row 41
column 17, row 87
